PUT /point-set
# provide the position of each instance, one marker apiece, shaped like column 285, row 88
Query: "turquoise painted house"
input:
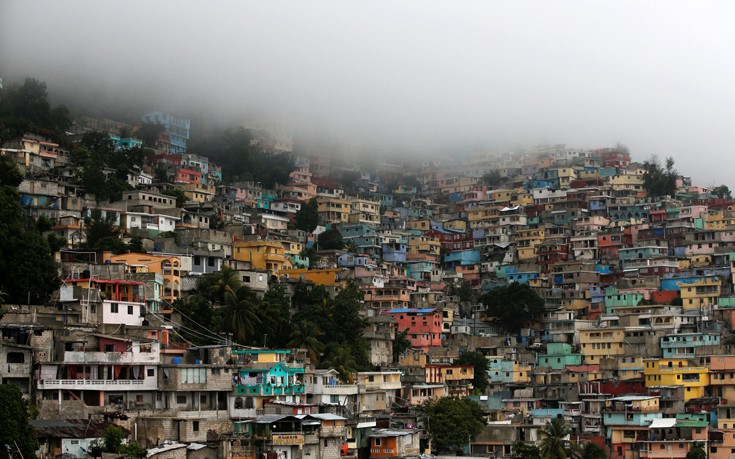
column 685, row 344
column 280, row 379
column 558, row 356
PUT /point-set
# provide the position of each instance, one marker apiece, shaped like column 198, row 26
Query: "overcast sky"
column 658, row 76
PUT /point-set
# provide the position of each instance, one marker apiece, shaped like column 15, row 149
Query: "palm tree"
column 240, row 313
column 342, row 360
column 305, row 335
column 224, row 279
column 554, row 443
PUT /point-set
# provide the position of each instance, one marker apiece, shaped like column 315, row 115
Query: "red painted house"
column 424, row 326
column 188, row 176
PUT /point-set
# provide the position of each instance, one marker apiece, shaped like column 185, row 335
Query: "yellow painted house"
column 599, row 343
column 526, row 242
column 168, row 266
column 700, row 294
column 334, row 210
column 418, row 225
column 327, row 277
column 262, row 255
column 676, row 372
column 424, row 245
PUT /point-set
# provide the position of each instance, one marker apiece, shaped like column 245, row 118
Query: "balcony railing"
column 17, row 369
column 98, row 384
column 111, row 357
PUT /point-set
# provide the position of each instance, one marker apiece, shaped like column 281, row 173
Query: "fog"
column 430, row 77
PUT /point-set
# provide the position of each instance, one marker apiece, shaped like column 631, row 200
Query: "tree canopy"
column 524, row 451
column 554, row 442
column 102, row 170
column 28, row 271
column 479, row 363
column 722, row 192
column 307, row 218
column 696, row 451
column 25, row 107
column 492, row 178
column 245, row 161
column 331, row 240
column 17, row 437
column 660, row 181
column 513, row 305
column 452, row 422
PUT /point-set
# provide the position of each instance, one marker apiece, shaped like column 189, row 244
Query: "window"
column 377, row 442
column 113, row 308
column 130, row 310
column 193, row 375
column 181, row 399
column 195, row 426
column 151, row 372
column 109, row 348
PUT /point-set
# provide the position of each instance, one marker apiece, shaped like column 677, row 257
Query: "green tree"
column 310, row 253
column 697, row 451
column 492, row 178
column 149, row 133
column 133, row 449
column 479, row 363
column 305, row 335
column 513, row 305
column 240, row 313
column 30, row 272
column 178, row 194
column 307, row 218
column 331, row 240
column 25, row 107
column 522, row 450
column 12, row 217
column 135, row 245
column 17, row 437
column 61, row 118
column 452, row 422
column 592, row 450
column 722, row 192
column 554, row 442
column 27, row 268
column 660, row 181
column 198, row 315
column 400, row 344
column 214, row 286
column 102, row 233
column 339, row 356
column 113, row 439
column 160, row 175
column 245, row 159
column 276, row 308
column 464, row 290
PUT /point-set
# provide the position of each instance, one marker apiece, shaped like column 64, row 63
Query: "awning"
column 663, row 423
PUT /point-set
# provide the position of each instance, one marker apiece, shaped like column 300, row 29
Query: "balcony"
column 274, row 257
column 99, row 384
column 22, row 370
column 333, row 389
column 125, row 298
column 111, row 357
column 381, row 385
column 266, row 389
